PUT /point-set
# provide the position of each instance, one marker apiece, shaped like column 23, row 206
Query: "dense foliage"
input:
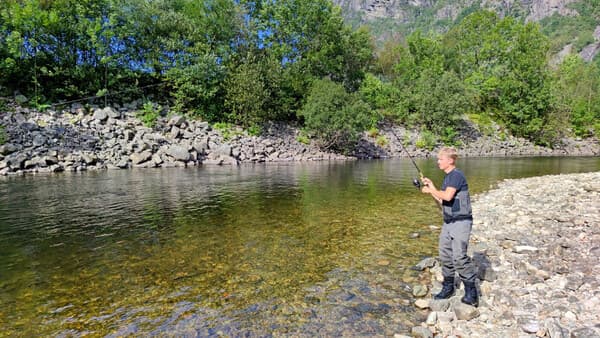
column 247, row 62
column 335, row 116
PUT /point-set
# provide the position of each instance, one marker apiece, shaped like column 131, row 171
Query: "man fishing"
column 454, row 239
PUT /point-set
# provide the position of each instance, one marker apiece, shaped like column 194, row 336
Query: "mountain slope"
column 572, row 25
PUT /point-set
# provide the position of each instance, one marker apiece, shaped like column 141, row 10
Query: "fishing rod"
column 416, row 182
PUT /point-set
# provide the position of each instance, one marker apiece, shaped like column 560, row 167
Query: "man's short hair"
column 450, row 152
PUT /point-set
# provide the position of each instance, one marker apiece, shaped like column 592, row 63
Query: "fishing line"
column 417, row 183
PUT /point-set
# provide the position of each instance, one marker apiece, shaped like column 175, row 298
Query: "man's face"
column 444, row 161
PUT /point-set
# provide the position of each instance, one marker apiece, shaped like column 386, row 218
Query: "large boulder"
column 112, row 113
column 9, row 148
column 142, row 157
column 100, row 115
column 178, row 152
column 176, row 121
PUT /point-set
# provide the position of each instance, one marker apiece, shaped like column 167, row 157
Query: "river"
column 322, row 248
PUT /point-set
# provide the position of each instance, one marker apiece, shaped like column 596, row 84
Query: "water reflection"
column 143, row 251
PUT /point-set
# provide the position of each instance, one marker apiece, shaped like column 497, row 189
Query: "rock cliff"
column 390, row 17
column 405, row 10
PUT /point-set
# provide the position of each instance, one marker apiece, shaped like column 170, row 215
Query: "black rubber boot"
column 447, row 289
column 471, row 297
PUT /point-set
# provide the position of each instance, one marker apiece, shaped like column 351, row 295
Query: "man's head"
column 446, row 158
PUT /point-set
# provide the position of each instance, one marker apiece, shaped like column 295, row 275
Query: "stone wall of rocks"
column 536, row 243
column 473, row 144
column 109, row 138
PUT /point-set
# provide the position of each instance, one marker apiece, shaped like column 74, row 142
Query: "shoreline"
column 110, row 138
column 535, row 243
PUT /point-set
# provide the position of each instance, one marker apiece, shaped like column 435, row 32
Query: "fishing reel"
column 417, row 183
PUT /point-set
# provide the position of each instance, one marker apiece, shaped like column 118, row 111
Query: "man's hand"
column 427, row 182
column 427, row 185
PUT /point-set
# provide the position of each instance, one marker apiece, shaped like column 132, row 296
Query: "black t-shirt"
column 455, row 209
column 455, row 179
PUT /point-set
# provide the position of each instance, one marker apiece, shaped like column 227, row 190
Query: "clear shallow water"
column 319, row 248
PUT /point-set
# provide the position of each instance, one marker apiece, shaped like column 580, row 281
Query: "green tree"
column 576, row 90
column 503, row 62
column 246, row 93
column 335, row 117
column 432, row 98
column 310, row 40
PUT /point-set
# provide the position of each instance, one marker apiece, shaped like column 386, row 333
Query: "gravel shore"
column 536, row 243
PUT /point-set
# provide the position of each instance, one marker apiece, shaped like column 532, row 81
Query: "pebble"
column 422, row 303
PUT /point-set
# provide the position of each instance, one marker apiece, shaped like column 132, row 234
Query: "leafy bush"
column 378, row 94
column 3, row 137
column 254, row 130
column 373, row 132
column 427, row 140
column 335, row 117
column 149, row 114
column 382, row 141
column 303, row 137
column 450, row 137
column 576, row 93
column 197, row 88
column 483, row 122
column 227, row 130
column 246, row 94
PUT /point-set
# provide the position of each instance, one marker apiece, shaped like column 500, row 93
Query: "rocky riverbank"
column 79, row 139
column 536, row 243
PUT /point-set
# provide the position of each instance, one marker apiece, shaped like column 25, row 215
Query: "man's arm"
column 439, row 195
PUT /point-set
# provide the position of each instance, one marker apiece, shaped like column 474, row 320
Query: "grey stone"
column 32, row 163
column 200, row 145
column 17, row 161
column 525, row 249
column 422, row 303
column 203, row 125
column 100, row 115
column 465, row 312
column 426, row 263
column 531, row 327
column 179, row 153
column 157, row 160
column 421, row 332
column 431, row 318
column 439, row 305
column 56, row 168
column 585, row 332
column 89, row 159
column 223, row 150
column 9, row 148
column 419, row 290
column 21, row 99
column 39, row 140
column 176, row 120
column 175, row 132
column 123, row 163
column 138, row 158
column 112, row 113
column 445, row 317
column 128, row 135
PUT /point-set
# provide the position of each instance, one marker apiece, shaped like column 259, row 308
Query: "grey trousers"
column 454, row 241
